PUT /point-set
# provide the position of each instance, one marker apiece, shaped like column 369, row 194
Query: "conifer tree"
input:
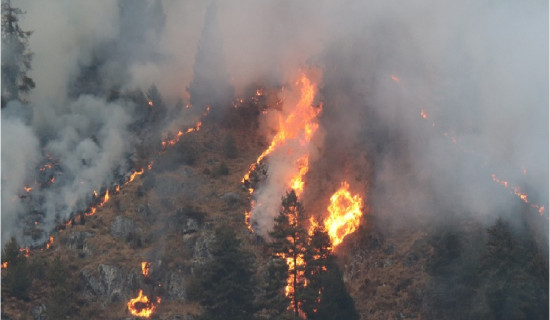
column 290, row 242
column 325, row 296
column 16, row 56
column 227, row 282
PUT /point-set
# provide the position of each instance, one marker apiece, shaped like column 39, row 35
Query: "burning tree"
column 16, row 56
column 314, row 281
column 290, row 240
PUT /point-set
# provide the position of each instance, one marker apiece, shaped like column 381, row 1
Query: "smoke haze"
column 478, row 71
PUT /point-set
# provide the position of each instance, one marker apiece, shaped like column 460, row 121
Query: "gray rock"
column 191, row 226
column 201, row 250
column 77, row 241
column 39, row 312
column 122, row 227
column 176, row 286
column 110, row 283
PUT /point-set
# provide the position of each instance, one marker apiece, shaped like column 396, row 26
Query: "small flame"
column 395, row 79
column 344, row 214
column 49, row 243
column 27, row 189
column 145, row 266
column 26, row 252
column 518, row 193
column 4, row 265
column 259, row 92
column 141, row 306
column 423, row 114
column 133, row 175
column 93, row 209
column 150, row 103
column 117, row 189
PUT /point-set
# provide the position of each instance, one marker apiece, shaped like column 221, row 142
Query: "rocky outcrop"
column 108, row 284
column 123, row 227
column 77, row 241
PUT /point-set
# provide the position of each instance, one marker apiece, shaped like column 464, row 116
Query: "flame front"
column 344, row 214
column 142, row 306
column 518, row 193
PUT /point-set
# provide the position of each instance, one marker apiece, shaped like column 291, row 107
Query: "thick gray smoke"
column 477, row 71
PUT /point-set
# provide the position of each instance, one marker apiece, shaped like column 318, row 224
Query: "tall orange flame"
column 300, row 125
column 344, row 214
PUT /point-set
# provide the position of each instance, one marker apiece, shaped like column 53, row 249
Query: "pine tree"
column 16, row 56
column 290, row 242
column 325, row 296
column 17, row 278
column 227, row 282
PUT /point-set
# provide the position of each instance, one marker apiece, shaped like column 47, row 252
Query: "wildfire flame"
column 26, row 252
column 93, row 209
column 27, row 189
column 344, row 214
column 145, row 266
column 300, row 125
column 517, row 192
column 49, row 243
column 141, row 306
column 4, row 265
column 180, row 133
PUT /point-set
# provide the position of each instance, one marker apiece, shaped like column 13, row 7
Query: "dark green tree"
column 272, row 300
column 325, row 296
column 290, row 241
column 515, row 287
column 227, row 282
column 17, row 279
column 16, row 56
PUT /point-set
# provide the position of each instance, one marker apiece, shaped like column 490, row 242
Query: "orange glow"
column 180, row 133
column 423, row 114
column 49, row 243
column 259, row 92
column 395, row 79
column 145, row 266
column 300, row 125
column 93, row 209
column 297, row 182
column 150, row 165
column 133, row 175
column 117, row 188
column 150, row 103
column 27, row 189
column 52, row 180
column 344, row 214
column 26, row 252
column 518, row 193
column 4, row 265
column 141, row 306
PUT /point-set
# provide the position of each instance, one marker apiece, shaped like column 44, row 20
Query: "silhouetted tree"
column 17, row 279
column 227, row 282
column 290, row 241
column 325, row 296
column 16, row 56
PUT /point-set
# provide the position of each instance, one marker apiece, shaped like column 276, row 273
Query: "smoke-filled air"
column 351, row 148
